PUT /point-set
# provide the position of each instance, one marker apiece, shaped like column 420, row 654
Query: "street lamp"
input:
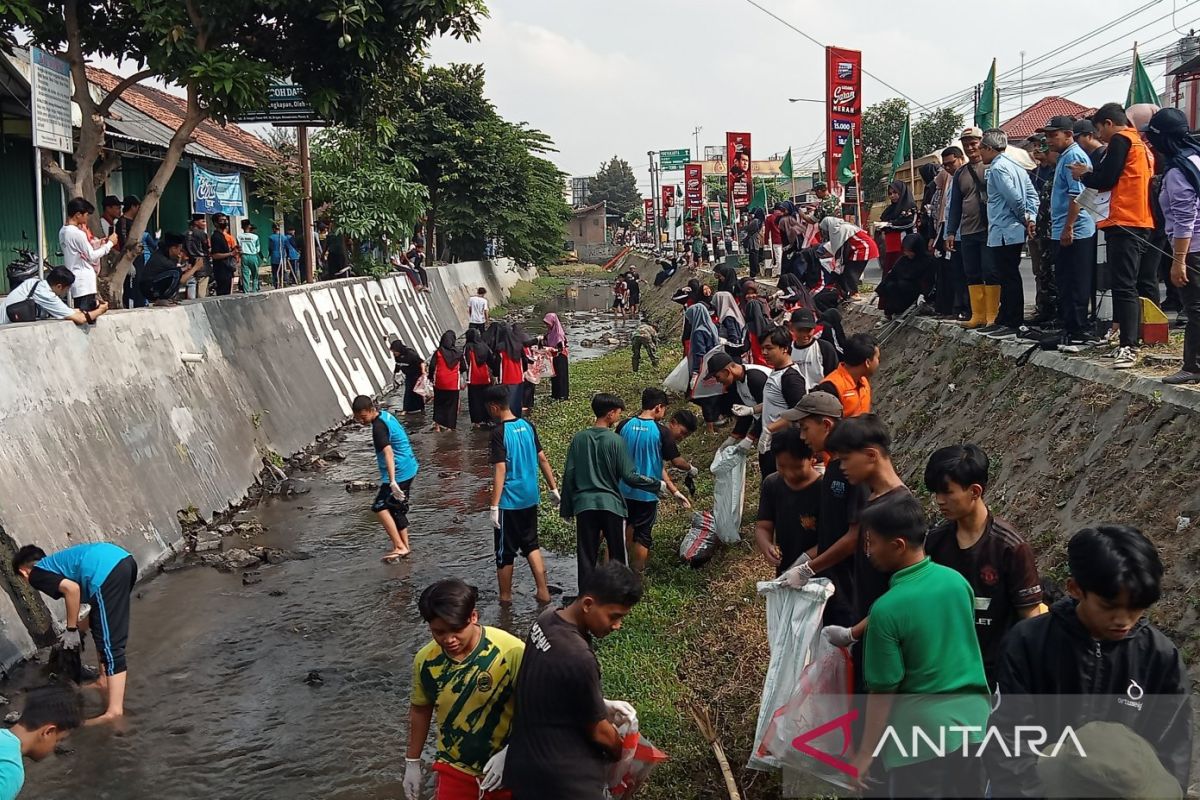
column 804, row 100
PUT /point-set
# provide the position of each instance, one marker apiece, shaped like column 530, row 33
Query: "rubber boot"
column 977, row 307
column 991, row 303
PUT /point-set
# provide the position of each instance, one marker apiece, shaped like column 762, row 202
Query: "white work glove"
column 397, row 492
column 556, row 496
column 722, row 341
column 621, row 714
column 682, row 498
column 798, row 575
column 839, row 635
column 493, row 772
column 69, row 639
column 494, row 513
column 740, row 410
column 729, row 442
column 412, row 779
column 693, row 470
column 746, row 444
column 662, row 487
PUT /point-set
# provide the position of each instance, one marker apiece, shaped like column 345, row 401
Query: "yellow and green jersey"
column 472, row 699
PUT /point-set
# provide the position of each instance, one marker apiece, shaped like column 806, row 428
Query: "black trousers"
column 953, row 775
column 592, row 527
column 1191, row 305
column 755, row 255
column 1126, row 246
column 1073, row 269
column 1006, row 263
column 766, row 463
column 163, row 287
column 223, row 278
column 110, row 622
column 973, row 249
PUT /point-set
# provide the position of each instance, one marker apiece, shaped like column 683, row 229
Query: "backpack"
column 25, row 310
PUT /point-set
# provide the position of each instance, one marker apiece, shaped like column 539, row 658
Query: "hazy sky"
column 626, row 76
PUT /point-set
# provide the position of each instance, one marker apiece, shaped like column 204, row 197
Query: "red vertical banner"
column 737, row 157
column 648, row 210
column 693, row 187
column 668, row 200
column 843, row 105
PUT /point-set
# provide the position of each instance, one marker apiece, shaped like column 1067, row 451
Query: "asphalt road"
column 873, row 275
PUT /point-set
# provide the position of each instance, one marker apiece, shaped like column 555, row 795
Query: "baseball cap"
column 1062, row 122
column 1082, row 127
column 718, row 362
column 814, row 404
column 804, row 318
column 971, row 133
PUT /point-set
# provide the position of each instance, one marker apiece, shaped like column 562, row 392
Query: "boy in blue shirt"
column 103, row 575
column 49, row 716
column 516, row 456
column 649, row 443
column 397, row 468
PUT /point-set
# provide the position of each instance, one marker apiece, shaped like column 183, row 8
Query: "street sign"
column 50, row 85
column 286, row 105
column 674, row 160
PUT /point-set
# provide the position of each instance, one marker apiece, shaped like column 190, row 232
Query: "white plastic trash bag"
column 677, row 381
column 729, row 492
column 706, row 384
column 793, row 622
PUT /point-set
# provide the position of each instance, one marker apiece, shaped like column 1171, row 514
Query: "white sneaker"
column 1125, row 358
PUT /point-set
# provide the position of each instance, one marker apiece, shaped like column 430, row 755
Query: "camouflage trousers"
column 1041, row 253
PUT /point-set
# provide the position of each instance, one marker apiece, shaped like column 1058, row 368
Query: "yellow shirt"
column 473, row 699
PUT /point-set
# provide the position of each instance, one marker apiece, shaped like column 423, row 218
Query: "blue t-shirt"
column 12, row 768
column 644, row 440
column 1065, row 187
column 86, row 564
column 515, row 442
column 387, row 430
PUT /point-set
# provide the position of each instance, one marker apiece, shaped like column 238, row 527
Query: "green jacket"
column 597, row 462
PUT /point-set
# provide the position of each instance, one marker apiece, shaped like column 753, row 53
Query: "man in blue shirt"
column 103, row 575
column 1073, row 233
column 397, row 468
column 1012, row 205
column 649, row 443
column 47, row 295
column 49, row 716
column 516, row 456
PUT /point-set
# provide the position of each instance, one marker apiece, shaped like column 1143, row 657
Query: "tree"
column 278, row 180
column 881, row 126
column 614, row 183
column 222, row 53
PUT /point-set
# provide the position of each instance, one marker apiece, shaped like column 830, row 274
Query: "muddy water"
column 218, row 706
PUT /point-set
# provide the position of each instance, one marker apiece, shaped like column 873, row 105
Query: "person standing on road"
column 251, row 249
column 1011, row 209
column 102, row 575
column 199, row 250
column 477, row 310
column 397, row 469
column 771, row 228
column 124, row 223
column 284, row 257
column 752, row 239
column 80, row 256
column 967, row 230
column 1072, row 233
column 224, row 255
column 1125, row 173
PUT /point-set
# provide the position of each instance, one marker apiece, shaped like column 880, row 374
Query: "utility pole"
column 306, row 206
column 696, row 133
column 654, row 199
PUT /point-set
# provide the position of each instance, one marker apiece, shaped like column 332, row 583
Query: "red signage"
column 668, row 200
column 843, row 105
column 737, row 150
column 648, row 210
column 693, row 186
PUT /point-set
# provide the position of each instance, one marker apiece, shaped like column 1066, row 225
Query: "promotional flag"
column 846, row 171
column 668, row 200
column 737, row 149
column 843, row 104
column 785, row 169
column 987, row 110
column 648, row 210
column 903, row 147
column 693, row 186
column 1141, row 88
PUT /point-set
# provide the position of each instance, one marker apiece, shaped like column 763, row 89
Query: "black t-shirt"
column 158, row 264
column 218, row 245
column 558, row 699
column 46, row 582
column 838, row 499
column 381, row 435
column 121, row 229
column 1001, row 570
column 794, row 513
column 195, row 243
column 869, row 583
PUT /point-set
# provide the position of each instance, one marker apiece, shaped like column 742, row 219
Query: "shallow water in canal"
column 217, row 704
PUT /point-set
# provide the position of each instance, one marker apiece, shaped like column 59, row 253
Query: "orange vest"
column 1129, row 205
column 856, row 398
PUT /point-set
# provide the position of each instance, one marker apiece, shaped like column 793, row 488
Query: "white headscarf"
column 726, row 306
column 837, row 232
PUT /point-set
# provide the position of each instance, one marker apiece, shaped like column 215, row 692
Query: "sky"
column 627, row 76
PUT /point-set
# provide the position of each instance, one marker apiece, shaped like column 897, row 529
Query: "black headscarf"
column 727, row 280
column 901, row 210
column 1169, row 136
column 475, row 345
column 831, row 320
column 449, row 350
column 515, row 342
column 794, row 291
column 758, row 316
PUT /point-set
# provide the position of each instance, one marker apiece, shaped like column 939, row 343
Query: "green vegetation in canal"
column 550, row 283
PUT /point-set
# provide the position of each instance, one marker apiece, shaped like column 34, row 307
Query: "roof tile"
column 1026, row 123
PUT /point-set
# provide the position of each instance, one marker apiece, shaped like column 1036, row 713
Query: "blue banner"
column 217, row 193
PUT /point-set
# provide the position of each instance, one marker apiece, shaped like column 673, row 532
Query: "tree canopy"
column 882, row 124
column 615, row 184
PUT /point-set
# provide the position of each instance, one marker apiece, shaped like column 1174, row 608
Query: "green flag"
column 987, row 110
column 1141, row 88
column 903, row 147
column 785, row 168
column 846, row 164
column 760, row 196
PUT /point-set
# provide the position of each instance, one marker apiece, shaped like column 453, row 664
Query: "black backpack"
column 25, row 310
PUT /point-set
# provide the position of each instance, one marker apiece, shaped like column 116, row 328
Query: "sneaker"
column 1182, row 377
column 1033, row 334
column 1004, row 332
column 988, row 330
column 1125, row 358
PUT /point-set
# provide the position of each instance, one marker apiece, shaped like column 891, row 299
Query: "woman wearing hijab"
column 794, row 294
column 851, row 248
column 752, row 239
column 687, row 295
column 479, row 376
column 901, row 218
column 910, row 277
column 509, row 354
column 1180, row 200
column 927, row 222
column 409, row 364
column 727, row 280
column 831, row 329
column 730, row 322
column 703, row 337
column 758, row 321
column 791, row 233
column 556, row 340
column 447, row 366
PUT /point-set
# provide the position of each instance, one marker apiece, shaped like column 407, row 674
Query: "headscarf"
column 758, row 318
column 759, row 214
column 475, row 345
column 837, row 232
column 1169, row 136
column 727, row 280
column 905, row 203
column 450, row 353
column 794, row 291
column 555, row 335
column 914, row 242
column 509, row 339
column 831, row 320
column 726, row 306
column 697, row 317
